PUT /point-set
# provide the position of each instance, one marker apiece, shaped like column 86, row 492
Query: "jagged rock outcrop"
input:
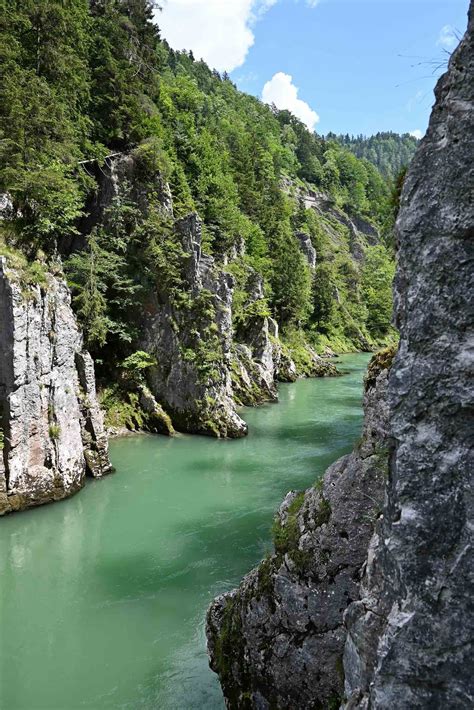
column 157, row 420
column 410, row 642
column 260, row 359
column 408, row 626
column 191, row 342
column 118, row 176
column 277, row 641
column 256, row 353
column 306, row 246
column 204, row 368
column 360, row 231
column 51, row 423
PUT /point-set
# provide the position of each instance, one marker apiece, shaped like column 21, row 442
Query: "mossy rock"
column 381, row 361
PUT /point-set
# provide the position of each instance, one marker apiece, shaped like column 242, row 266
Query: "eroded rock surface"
column 411, row 634
column 306, row 246
column 52, row 425
column 191, row 342
column 204, row 367
column 277, row 641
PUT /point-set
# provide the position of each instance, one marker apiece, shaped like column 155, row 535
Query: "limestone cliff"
column 51, row 423
column 411, row 635
column 191, row 342
column 205, row 365
column 278, row 640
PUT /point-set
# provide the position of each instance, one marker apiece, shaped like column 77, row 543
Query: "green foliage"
column 324, row 303
column 377, row 278
column 124, row 80
column 104, row 281
column 54, row 431
column 382, row 360
column 136, row 364
column 43, row 119
column 30, row 272
column 122, row 408
column 290, row 280
column 286, row 537
column 229, row 648
column 388, row 152
column 87, row 78
column 88, row 272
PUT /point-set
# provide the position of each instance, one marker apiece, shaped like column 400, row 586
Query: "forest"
column 388, row 151
column 83, row 81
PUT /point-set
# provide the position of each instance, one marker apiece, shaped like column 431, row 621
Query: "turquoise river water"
column 103, row 596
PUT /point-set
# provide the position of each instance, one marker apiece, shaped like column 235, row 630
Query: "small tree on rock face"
column 290, row 280
column 377, row 279
column 136, row 364
column 323, row 296
column 87, row 271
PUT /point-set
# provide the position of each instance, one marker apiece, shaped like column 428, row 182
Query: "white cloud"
column 417, row 134
column 218, row 31
column 281, row 91
column 447, row 37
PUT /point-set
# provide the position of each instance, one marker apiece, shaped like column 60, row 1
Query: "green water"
column 103, row 596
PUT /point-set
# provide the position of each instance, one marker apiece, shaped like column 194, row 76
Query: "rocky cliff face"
column 278, row 640
column 51, row 423
column 191, row 343
column 410, row 636
column 204, row 367
column 376, row 564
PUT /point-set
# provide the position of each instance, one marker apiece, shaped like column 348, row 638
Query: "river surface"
column 103, row 596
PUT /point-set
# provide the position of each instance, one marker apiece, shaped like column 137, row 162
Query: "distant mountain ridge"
column 388, row 151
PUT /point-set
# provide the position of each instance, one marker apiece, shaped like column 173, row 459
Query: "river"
column 103, row 596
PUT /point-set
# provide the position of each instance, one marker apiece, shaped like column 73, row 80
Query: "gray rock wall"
column 277, row 641
column 411, row 635
column 51, row 422
column 399, row 573
column 191, row 343
column 307, row 248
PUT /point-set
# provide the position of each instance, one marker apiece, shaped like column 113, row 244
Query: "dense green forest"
column 86, row 79
column 389, row 152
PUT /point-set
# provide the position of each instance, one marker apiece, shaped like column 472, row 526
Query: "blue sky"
column 348, row 66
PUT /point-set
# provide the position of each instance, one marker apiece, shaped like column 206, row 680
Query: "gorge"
column 192, row 285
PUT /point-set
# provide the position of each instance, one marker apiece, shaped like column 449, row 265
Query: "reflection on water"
column 103, row 596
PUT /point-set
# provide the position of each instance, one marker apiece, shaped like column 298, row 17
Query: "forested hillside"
column 87, row 84
column 389, row 152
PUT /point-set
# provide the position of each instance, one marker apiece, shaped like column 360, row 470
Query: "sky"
column 346, row 66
